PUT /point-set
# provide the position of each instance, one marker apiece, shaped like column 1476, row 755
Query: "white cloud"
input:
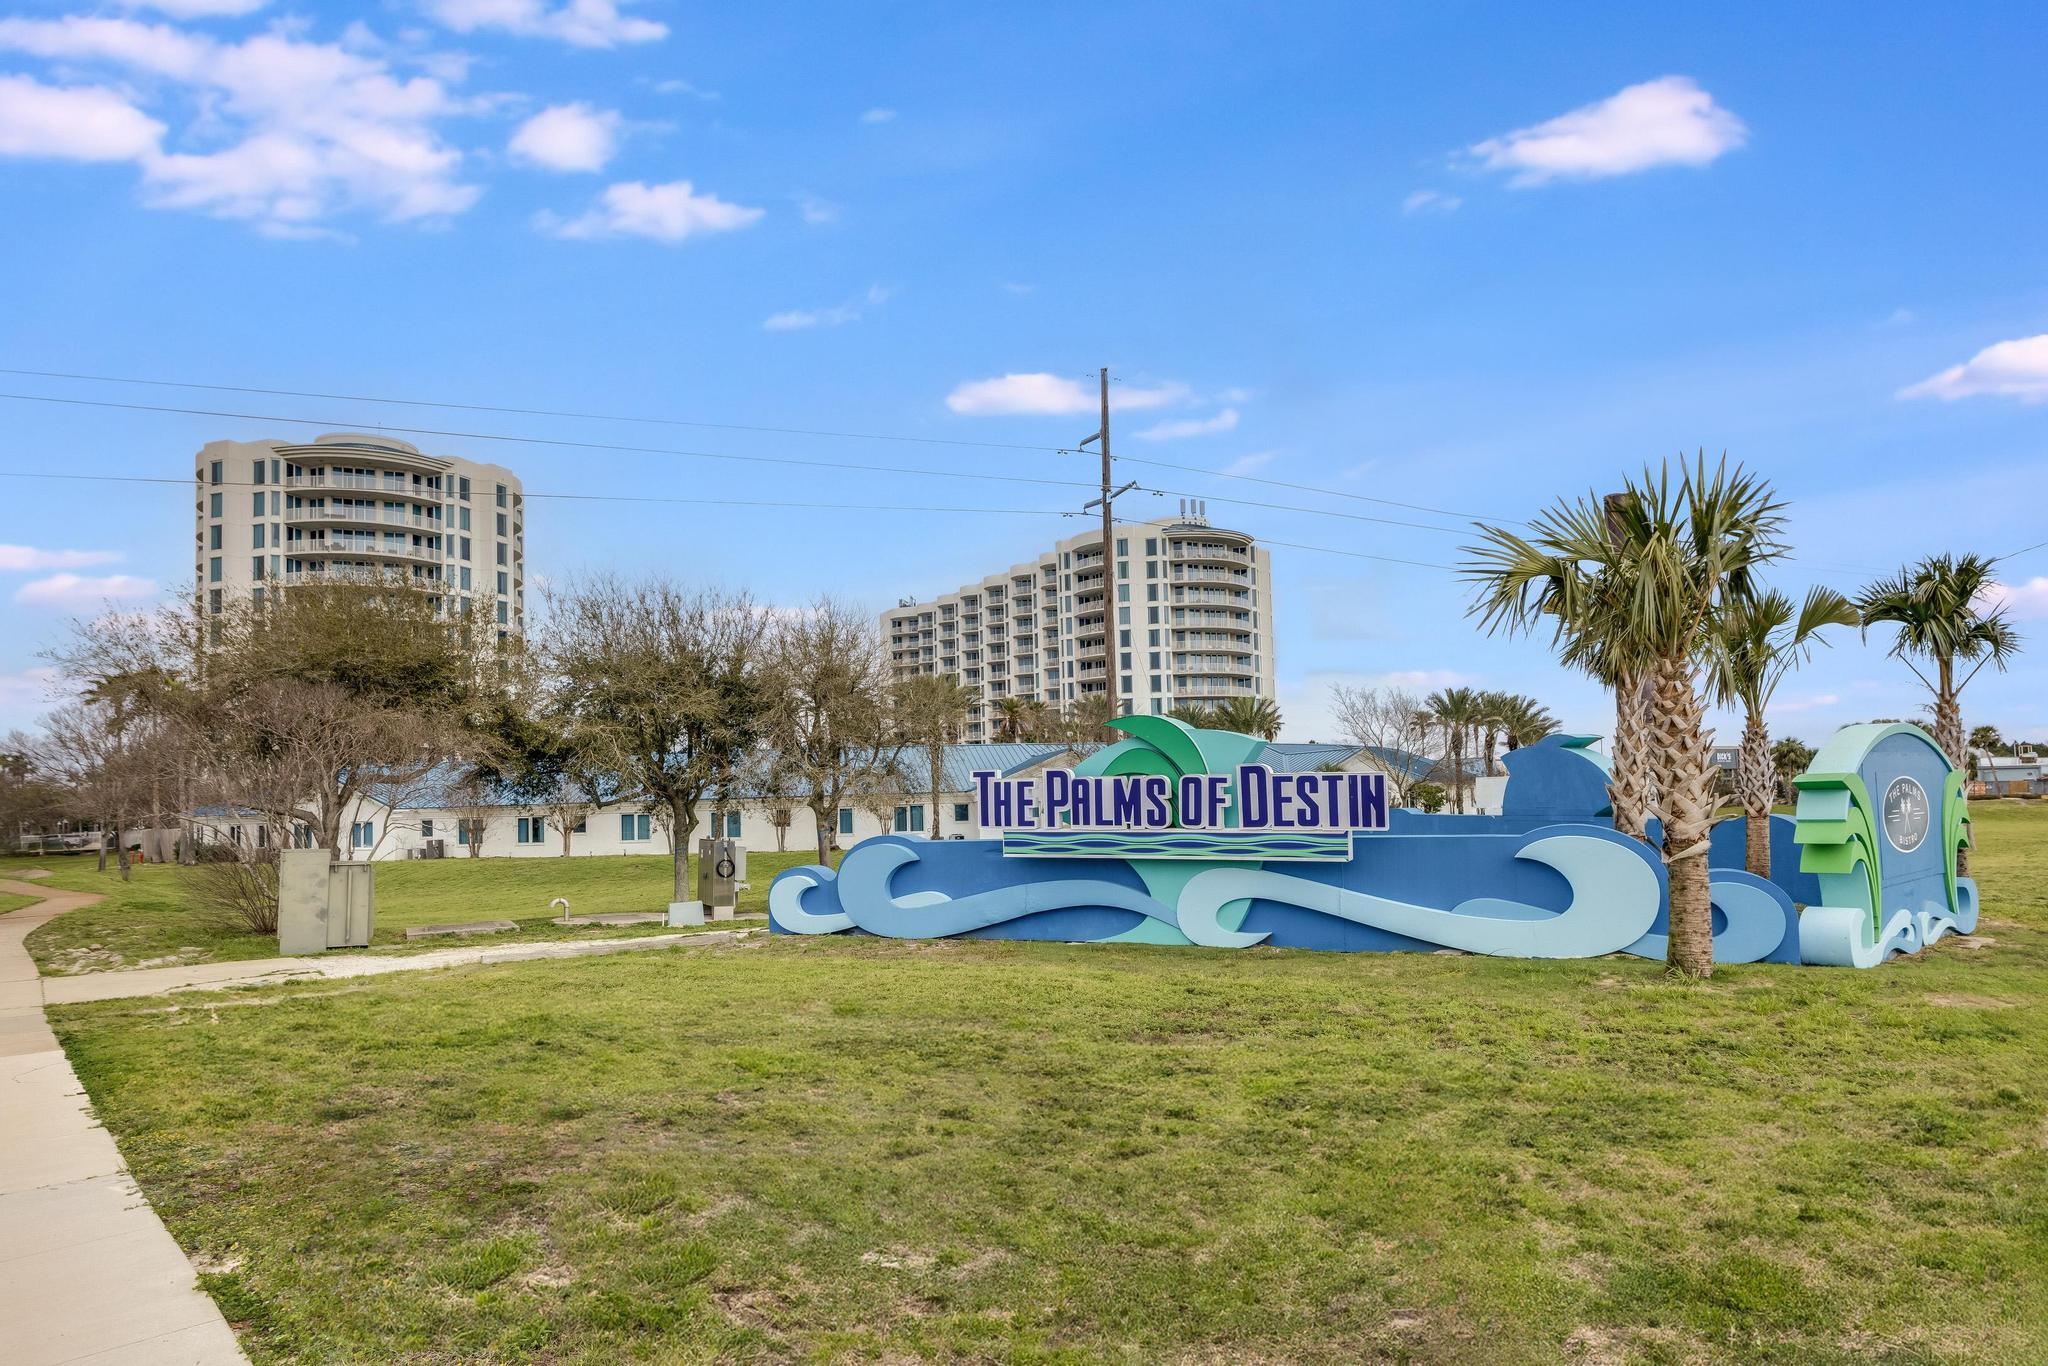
column 815, row 210
column 1042, row 394
column 873, row 116
column 682, row 87
column 567, row 137
column 2010, row 369
column 1666, row 122
column 666, row 213
column 31, row 686
column 1250, row 464
column 72, row 590
column 579, row 23
column 1018, row 288
column 2021, row 601
column 28, row 557
column 1430, row 201
column 1224, row 421
column 198, row 9
column 1792, row 706
column 75, row 123
column 292, row 132
column 801, row 319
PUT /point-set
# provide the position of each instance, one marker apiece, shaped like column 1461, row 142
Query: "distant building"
column 351, row 507
column 1191, row 623
column 2010, row 775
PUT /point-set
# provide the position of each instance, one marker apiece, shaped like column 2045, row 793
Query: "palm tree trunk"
column 938, row 761
column 1948, row 733
column 1680, row 763
column 1758, row 782
column 1628, row 786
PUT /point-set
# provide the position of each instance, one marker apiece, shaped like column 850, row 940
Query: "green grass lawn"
column 157, row 918
column 835, row 1148
column 10, row 902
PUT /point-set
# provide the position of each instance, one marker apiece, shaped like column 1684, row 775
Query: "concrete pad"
column 478, row 927
column 614, row 918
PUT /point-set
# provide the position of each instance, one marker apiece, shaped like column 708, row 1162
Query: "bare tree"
column 829, row 712
column 663, row 684
column 1381, row 718
column 472, row 797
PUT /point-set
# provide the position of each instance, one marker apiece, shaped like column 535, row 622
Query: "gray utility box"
column 322, row 904
column 721, row 867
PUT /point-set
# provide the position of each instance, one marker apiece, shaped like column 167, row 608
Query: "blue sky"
column 1447, row 255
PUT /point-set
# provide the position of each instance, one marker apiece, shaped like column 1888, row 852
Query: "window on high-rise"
column 501, row 553
column 463, row 486
column 213, row 570
column 213, row 506
column 213, row 537
column 213, row 475
column 501, row 495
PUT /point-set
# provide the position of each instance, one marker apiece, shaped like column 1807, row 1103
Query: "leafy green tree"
column 1756, row 641
column 1633, row 588
column 1936, row 606
column 1429, row 796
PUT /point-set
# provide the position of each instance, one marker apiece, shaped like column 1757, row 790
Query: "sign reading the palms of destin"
column 1180, row 835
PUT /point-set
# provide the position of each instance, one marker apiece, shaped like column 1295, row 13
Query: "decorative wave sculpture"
column 1581, row 891
column 1871, row 853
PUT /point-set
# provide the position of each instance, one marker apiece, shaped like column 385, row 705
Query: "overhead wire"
column 827, row 433
column 722, row 502
column 621, row 448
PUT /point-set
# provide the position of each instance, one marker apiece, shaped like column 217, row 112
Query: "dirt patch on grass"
column 1970, row 1002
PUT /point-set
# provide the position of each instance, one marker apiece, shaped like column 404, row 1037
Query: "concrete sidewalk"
column 114, row 986
column 87, row 1270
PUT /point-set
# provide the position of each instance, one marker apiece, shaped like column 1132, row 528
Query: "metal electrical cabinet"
column 719, row 872
column 322, row 904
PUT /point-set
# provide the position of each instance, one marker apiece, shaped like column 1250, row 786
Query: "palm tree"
column 1934, row 605
column 1010, row 714
column 1986, row 738
column 1756, row 642
column 1193, row 714
column 1524, row 720
column 931, row 711
column 1632, row 588
column 1248, row 716
column 1455, row 711
column 1790, row 758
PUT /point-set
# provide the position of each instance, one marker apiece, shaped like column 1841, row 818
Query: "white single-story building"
column 438, row 827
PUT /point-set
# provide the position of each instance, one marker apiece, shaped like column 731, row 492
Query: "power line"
column 718, row 502
column 617, row 448
column 732, row 427
column 578, row 497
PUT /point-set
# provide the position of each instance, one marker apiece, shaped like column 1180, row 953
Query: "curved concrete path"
column 88, row 1273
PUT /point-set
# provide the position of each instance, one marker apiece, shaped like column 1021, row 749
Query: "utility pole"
column 1112, row 673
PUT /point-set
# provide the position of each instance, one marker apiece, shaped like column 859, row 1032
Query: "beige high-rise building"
column 269, row 514
column 1191, row 622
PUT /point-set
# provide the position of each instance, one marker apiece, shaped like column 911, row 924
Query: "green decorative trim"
column 1955, row 826
column 1835, row 824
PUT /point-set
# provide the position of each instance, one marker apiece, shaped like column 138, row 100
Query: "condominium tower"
column 1191, row 623
column 270, row 514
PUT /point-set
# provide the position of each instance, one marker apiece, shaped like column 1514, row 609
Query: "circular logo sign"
column 1906, row 814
